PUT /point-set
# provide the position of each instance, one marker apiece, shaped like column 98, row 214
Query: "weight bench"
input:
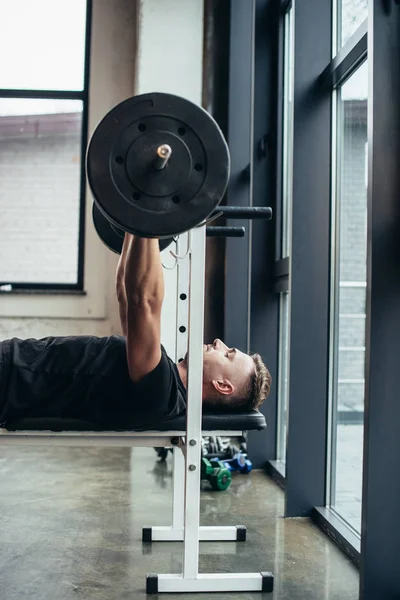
column 183, row 435
column 170, row 434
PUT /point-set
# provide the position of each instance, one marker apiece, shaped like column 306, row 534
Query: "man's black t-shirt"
column 86, row 378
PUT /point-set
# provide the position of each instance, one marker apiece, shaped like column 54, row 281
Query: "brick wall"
column 39, row 218
column 353, row 230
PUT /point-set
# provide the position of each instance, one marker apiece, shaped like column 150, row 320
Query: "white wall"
column 156, row 45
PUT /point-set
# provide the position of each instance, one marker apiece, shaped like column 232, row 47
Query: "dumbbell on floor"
column 238, row 463
column 216, row 474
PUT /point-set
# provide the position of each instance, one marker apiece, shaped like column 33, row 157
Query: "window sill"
column 339, row 532
column 54, row 304
column 276, row 469
column 42, row 292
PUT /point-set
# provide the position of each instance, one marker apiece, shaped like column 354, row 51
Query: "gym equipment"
column 157, row 165
column 224, row 231
column 238, row 463
column 245, row 212
column 216, row 474
column 162, row 453
column 184, row 434
column 222, row 447
column 113, row 237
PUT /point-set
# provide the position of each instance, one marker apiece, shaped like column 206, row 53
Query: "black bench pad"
column 211, row 422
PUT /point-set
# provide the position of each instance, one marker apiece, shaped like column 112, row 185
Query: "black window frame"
column 305, row 475
column 83, row 95
column 316, row 75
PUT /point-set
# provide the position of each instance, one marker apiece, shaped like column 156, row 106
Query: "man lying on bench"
column 123, row 381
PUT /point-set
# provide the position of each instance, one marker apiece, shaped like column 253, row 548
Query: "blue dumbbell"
column 238, row 463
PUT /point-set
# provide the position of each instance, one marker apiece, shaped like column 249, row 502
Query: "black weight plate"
column 133, row 194
column 112, row 236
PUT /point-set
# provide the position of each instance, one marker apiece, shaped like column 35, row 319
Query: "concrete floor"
column 71, row 520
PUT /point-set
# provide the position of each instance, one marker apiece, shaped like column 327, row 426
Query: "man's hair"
column 260, row 383
column 251, row 395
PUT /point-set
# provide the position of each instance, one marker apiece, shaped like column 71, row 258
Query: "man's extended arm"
column 144, row 294
column 120, row 283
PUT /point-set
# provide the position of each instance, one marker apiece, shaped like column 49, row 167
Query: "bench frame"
column 186, row 454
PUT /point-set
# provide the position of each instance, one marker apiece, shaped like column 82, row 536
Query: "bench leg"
column 174, row 533
column 211, row 582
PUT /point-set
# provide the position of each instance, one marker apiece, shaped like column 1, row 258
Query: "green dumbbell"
column 216, row 474
column 206, row 468
column 221, row 479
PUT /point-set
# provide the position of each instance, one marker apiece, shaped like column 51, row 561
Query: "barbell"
column 158, row 165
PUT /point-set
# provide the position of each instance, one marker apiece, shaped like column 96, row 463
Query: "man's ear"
column 223, row 386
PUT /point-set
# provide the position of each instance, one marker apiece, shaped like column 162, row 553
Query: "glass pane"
column 287, row 162
column 351, row 14
column 349, row 313
column 43, row 43
column 40, row 170
column 287, row 158
column 283, row 378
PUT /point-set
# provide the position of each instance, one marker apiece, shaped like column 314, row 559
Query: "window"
column 349, row 308
column 283, row 375
column 351, row 13
column 43, row 122
column 284, row 306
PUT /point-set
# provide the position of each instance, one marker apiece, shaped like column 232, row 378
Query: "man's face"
column 223, row 363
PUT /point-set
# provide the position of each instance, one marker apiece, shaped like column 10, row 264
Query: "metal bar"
column 245, row 212
column 178, row 489
column 164, row 153
column 281, row 285
column 216, row 582
column 206, row 534
column 194, row 404
column 84, row 439
column 44, row 94
column 24, row 435
column 225, row 231
column 182, row 310
column 281, row 77
column 42, row 288
column 281, row 267
column 84, row 142
column 285, row 5
column 353, row 53
column 310, row 263
column 379, row 572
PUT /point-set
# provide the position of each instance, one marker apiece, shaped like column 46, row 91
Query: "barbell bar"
column 113, row 237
